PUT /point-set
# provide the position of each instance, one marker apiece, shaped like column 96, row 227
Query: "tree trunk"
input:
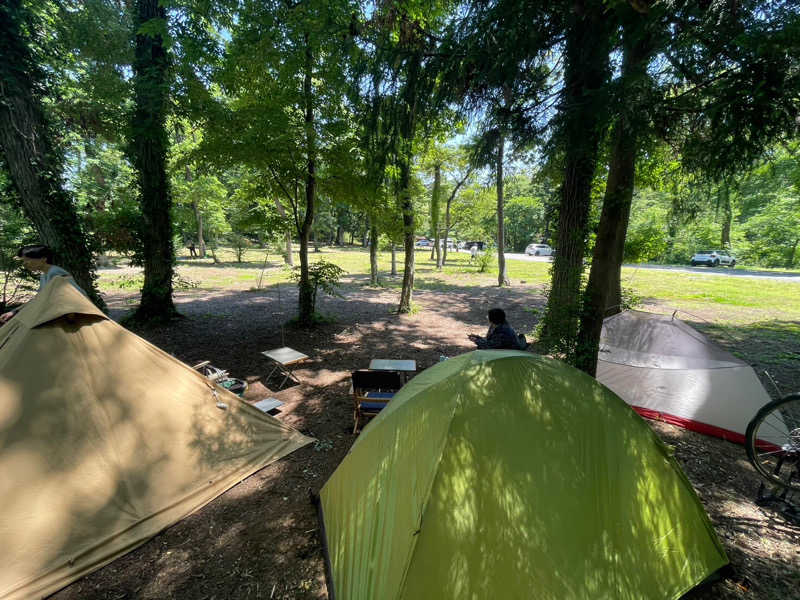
column 727, row 215
column 32, row 160
column 373, row 255
column 315, row 238
column 792, row 255
column 306, row 292
column 339, row 235
column 408, row 127
column 586, row 71
column 148, row 149
column 603, row 289
column 450, row 199
column 407, row 207
column 446, row 230
column 394, row 261
column 502, row 275
column 609, row 246
column 435, row 201
column 198, row 217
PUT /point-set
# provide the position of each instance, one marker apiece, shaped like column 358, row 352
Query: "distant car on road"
column 424, row 244
column 713, row 258
column 538, row 250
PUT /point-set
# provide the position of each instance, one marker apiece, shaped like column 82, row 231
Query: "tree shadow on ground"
column 259, row 539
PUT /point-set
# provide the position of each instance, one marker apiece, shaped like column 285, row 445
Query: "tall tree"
column 33, row 160
column 284, row 113
column 581, row 123
column 638, row 43
column 751, row 40
column 148, row 153
column 400, row 82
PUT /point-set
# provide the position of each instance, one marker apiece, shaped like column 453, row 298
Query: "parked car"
column 538, row 250
column 424, row 244
column 713, row 258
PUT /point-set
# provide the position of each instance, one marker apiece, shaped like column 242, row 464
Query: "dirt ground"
column 260, row 539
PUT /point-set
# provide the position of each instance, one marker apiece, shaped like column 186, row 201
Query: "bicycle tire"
column 773, row 442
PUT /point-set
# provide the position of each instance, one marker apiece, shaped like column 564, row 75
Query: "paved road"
column 713, row 271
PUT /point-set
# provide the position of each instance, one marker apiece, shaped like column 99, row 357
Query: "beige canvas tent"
column 667, row 370
column 105, row 440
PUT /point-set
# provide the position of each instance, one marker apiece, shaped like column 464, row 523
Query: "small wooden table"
column 284, row 358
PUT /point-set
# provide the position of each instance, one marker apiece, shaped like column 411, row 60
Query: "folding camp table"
column 404, row 367
column 284, row 358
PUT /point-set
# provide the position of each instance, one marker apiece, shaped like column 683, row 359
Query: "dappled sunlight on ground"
column 259, row 540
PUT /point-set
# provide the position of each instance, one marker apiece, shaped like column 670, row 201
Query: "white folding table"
column 284, row 358
column 392, row 364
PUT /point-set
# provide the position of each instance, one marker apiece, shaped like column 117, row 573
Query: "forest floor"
column 260, row 539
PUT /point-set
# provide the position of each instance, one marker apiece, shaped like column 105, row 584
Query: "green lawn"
column 736, row 299
column 757, row 319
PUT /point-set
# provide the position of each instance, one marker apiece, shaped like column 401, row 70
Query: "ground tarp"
column 667, row 370
column 501, row 474
column 105, row 440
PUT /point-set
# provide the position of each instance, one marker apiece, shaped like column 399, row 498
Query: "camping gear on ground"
column 502, row 474
column 372, row 390
column 105, row 440
column 773, row 447
column 669, row 371
column 221, row 377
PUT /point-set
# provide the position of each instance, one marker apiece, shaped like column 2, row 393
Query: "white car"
column 424, row 244
column 538, row 250
column 713, row 258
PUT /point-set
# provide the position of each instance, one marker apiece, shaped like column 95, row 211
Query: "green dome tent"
column 501, row 475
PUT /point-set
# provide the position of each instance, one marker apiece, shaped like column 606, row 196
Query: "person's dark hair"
column 36, row 251
column 497, row 316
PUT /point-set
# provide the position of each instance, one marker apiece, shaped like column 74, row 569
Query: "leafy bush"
column 485, row 261
column 321, row 275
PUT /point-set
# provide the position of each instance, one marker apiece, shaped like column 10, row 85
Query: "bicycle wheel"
column 773, row 442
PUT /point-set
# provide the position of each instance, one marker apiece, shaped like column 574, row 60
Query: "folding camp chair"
column 372, row 390
column 221, row 377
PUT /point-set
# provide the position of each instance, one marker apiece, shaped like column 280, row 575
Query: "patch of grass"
column 739, row 300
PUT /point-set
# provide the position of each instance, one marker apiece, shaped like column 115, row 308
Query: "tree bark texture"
column 408, row 127
column 306, row 292
column 407, row 208
column 609, row 246
column 32, row 159
column 394, row 261
column 373, row 255
column 148, row 150
column 582, row 124
column 727, row 215
column 603, row 290
column 435, row 202
column 502, row 275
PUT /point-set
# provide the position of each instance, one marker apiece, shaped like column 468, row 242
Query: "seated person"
column 501, row 336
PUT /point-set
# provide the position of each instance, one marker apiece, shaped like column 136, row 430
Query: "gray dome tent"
column 669, row 371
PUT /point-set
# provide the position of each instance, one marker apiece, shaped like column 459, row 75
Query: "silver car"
column 538, row 250
column 713, row 258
